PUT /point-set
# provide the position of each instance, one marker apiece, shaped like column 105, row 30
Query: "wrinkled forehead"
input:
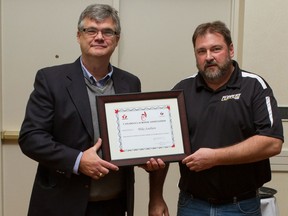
column 209, row 39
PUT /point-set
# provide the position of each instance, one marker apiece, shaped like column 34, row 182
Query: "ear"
column 117, row 39
column 78, row 36
column 231, row 50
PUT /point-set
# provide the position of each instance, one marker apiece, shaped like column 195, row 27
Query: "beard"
column 213, row 74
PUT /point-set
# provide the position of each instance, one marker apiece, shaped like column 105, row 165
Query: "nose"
column 99, row 35
column 209, row 56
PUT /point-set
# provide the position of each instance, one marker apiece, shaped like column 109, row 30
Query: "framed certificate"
column 135, row 127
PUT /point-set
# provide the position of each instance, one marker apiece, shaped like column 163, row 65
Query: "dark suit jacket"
column 57, row 126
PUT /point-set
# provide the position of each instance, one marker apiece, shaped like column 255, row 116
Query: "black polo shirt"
column 244, row 107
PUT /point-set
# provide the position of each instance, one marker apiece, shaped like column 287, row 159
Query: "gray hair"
column 99, row 12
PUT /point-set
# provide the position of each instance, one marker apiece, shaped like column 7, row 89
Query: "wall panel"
column 265, row 52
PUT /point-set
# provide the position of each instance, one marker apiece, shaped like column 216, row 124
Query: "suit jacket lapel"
column 78, row 92
column 118, row 82
column 77, row 89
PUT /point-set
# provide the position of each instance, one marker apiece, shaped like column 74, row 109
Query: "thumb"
column 98, row 144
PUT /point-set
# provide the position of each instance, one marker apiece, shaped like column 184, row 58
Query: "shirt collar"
column 92, row 79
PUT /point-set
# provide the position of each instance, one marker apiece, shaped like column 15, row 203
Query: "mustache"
column 209, row 64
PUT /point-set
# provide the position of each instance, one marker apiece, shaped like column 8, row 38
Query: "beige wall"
column 155, row 45
column 264, row 52
column 157, row 37
column 1, row 183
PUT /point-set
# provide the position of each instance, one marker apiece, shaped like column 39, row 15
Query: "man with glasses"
column 60, row 130
column 234, row 128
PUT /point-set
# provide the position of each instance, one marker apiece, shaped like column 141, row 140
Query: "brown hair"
column 213, row 27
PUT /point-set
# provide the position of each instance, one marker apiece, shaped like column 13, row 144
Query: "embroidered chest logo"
column 231, row 97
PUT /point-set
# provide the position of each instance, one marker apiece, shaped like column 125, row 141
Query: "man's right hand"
column 94, row 166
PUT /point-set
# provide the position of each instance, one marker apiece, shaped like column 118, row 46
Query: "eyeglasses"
column 106, row 33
